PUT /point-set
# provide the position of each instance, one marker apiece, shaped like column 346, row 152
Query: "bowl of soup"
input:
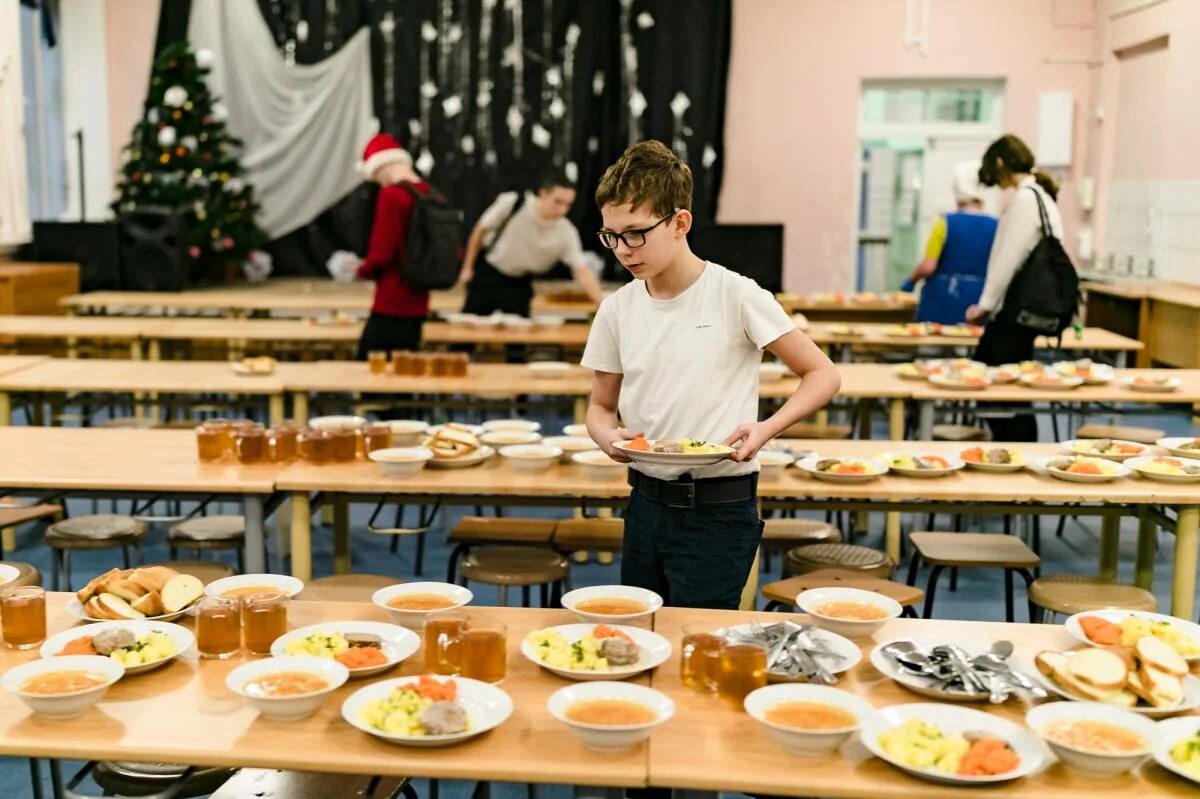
column 529, row 458
column 287, row 688
column 62, row 687
column 851, row 612
column 808, row 719
column 612, row 604
column 241, row 585
column 610, row 716
column 409, row 603
column 1101, row 740
column 407, row 432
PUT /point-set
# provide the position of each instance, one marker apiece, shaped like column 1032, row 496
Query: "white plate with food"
column 1050, row 381
column 1177, row 747
column 850, row 612
column 986, row 458
column 1108, row 448
column 956, row 381
column 8, row 574
column 365, row 648
column 605, row 652
column 427, row 711
column 771, row 463
column 1082, row 469
column 520, row 425
column 506, row 438
column 909, row 371
column 948, row 744
column 1154, row 384
column 612, row 604
column 254, row 367
column 287, row 688
column 1124, row 627
column 139, row 646
column 1183, row 446
column 960, row 331
column 1004, row 373
column 598, row 466
column 1120, row 678
column 570, row 445
column 925, row 686
column 154, row 593
column 921, row 464
column 843, row 470
column 240, row 585
column 1166, row 468
column 681, row 452
column 473, row 458
column 1093, row 374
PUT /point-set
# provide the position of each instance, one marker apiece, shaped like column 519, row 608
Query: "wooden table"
column 15, row 363
column 97, row 375
column 568, row 336
column 184, row 713
column 36, row 288
column 1166, row 316
column 56, row 461
column 894, row 308
column 926, row 394
column 711, row 746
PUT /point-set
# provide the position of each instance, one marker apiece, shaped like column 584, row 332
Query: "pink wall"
column 130, row 27
column 792, row 110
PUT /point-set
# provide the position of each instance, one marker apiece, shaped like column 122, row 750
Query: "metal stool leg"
column 66, row 569
column 914, row 565
column 504, row 596
column 930, row 589
column 35, row 778
column 526, row 597
column 1008, row 596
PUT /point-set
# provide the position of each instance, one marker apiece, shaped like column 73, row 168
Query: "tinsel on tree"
column 181, row 156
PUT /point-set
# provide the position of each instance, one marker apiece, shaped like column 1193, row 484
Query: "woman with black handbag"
column 1031, row 212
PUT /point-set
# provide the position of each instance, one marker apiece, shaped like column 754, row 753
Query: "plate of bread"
column 250, row 367
column 1149, row 678
column 154, row 593
column 456, row 446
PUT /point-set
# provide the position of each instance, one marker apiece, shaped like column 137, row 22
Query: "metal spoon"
column 961, row 664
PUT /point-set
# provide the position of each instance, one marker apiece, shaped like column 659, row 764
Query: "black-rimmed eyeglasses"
column 630, row 238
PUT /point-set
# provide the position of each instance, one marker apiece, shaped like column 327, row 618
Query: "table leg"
column 1121, row 359
column 896, row 419
column 5, row 409
column 301, row 536
column 1187, row 550
column 8, row 540
column 1110, row 541
column 580, row 410
column 300, row 406
column 154, row 350
column 253, row 508
column 924, row 420
column 864, row 419
column 276, row 408
column 1147, row 540
column 341, row 535
column 892, row 537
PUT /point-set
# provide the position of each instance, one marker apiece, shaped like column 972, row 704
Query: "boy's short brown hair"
column 647, row 174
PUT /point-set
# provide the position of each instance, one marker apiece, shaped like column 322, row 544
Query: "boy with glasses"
column 676, row 354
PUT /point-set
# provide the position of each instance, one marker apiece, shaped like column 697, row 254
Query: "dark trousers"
column 491, row 290
column 1004, row 341
column 387, row 333
column 692, row 557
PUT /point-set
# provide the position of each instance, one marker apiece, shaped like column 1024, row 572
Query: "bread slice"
column 1160, row 655
column 1121, row 699
column 1055, row 665
column 96, row 585
column 126, row 589
column 118, row 608
column 149, row 603
column 1165, row 690
column 152, row 578
column 1098, row 668
column 1049, row 663
column 1126, row 654
column 95, row 610
column 181, row 591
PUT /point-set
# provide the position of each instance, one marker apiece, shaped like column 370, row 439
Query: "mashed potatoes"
column 150, row 648
column 322, row 645
column 1135, row 627
column 555, row 651
column 920, row 744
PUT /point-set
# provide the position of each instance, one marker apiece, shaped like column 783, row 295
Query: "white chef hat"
column 966, row 182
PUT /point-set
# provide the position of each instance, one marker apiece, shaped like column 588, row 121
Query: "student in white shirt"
column 1009, row 164
column 521, row 236
column 676, row 354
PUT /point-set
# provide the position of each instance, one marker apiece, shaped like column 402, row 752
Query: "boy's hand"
column 752, row 437
column 615, row 436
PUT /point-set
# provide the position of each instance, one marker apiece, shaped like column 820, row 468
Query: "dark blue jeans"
column 692, row 557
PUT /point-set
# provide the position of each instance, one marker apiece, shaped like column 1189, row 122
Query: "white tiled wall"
column 1157, row 219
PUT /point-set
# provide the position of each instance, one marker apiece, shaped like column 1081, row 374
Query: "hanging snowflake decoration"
column 189, row 142
column 175, row 96
column 680, row 103
column 234, row 186
column 637, row 104
column 219, row 112
column 645, row 21
column 302, row 31
column 483, row 98
column 387, row 25
column 598, row 84
column 593, row 144
column 540, row 136
column 166, row 137
column 414, row 128
column 710, row 156
column 553, row 76
column 205, row 58
column 451, row 106
column 515, row 121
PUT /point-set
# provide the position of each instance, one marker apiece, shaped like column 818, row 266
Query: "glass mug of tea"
column 23, row 616
column 443, row 642
column 219, row 627
column 743, row 669
column 476, row 648
column 700, row 656
column 264, row 618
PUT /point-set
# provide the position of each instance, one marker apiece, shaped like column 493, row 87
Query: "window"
column 895, row 102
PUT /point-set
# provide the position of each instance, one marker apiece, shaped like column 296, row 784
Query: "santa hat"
column 382, row 149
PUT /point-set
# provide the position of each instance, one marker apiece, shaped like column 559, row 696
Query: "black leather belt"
column 685, row 492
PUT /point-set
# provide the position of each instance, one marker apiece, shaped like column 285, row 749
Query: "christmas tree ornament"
column 219, row 112
column 152, row 116
column 205, row 58
column 194, row 251
column 189, row 142
column 166, row 137
column 175, row 96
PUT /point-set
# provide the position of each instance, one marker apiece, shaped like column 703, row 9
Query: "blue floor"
column 979, row 594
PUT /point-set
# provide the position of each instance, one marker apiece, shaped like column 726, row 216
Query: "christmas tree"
column 182, row 157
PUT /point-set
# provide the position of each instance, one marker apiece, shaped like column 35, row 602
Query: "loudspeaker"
column 95, row 246
column 153, row 251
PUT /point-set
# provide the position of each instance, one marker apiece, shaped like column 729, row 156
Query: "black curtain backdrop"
column 670, row 57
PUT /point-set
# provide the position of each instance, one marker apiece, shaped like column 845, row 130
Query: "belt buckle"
column 691, row 496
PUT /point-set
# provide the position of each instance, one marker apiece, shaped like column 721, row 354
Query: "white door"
column 942, row 153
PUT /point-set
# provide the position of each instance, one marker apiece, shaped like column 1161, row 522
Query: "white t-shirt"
column 1018, row 232
column 529, row 245
column 689, row 364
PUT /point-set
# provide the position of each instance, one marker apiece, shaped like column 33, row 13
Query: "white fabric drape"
column 14, row 199
column 304, row 126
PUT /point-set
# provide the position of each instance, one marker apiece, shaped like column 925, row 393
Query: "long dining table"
column 184, row 712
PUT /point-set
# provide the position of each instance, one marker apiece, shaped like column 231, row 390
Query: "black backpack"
column 1044, row 294
column 433, row 254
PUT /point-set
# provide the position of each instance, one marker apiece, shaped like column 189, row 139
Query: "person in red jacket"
column 398, row 310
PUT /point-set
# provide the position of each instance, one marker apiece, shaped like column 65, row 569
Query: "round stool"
column 206, row 571
column 782, row 535
column 345, row 587
column 1074, row 593
column 99, row 531
column 851, row 557
column 26, row 574
column 120, row 778
column 517, row 566
column 208, row 534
